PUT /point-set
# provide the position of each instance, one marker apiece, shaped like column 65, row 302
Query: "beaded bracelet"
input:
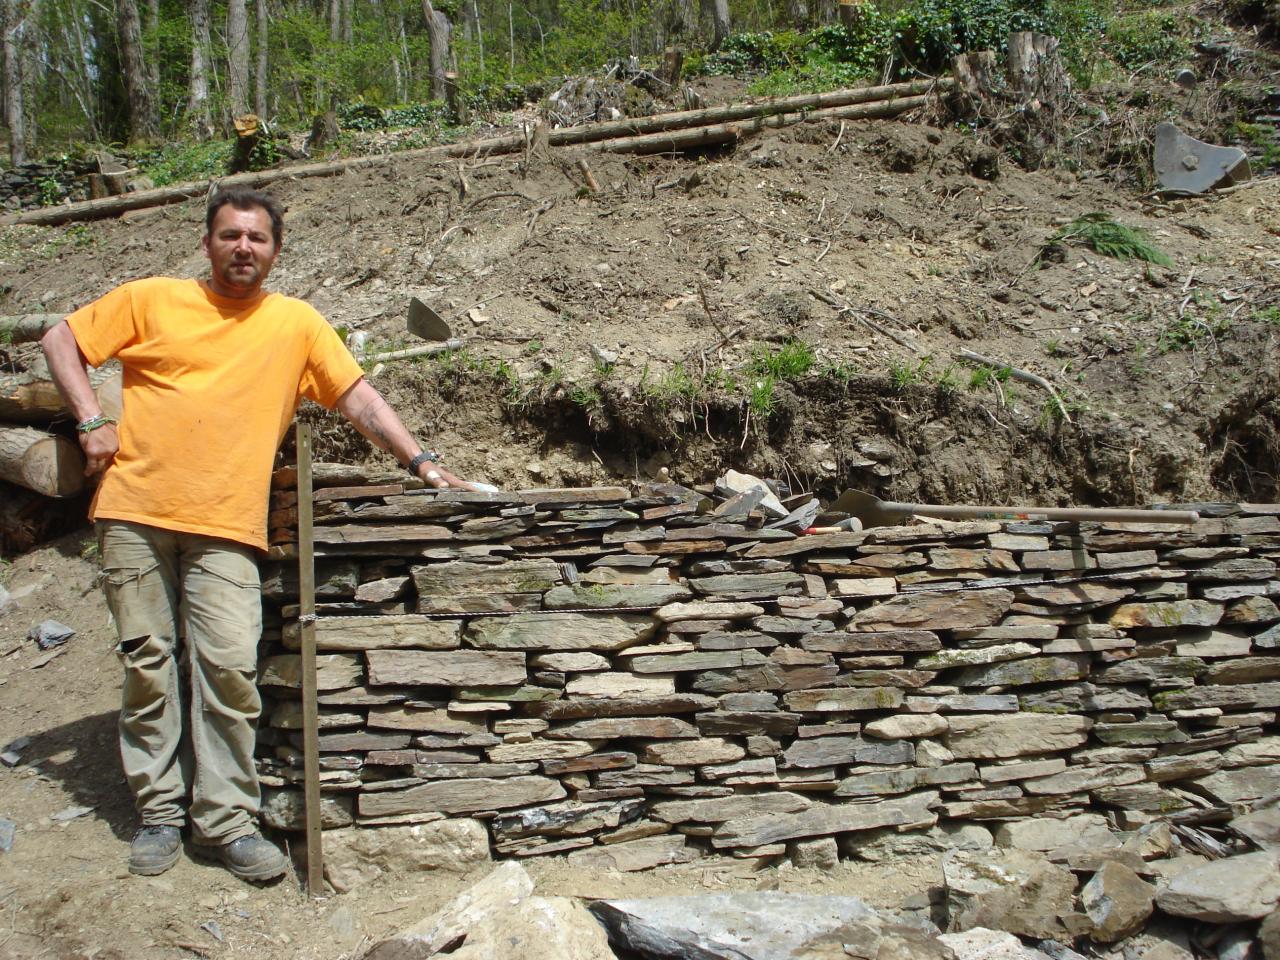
column 93, row 423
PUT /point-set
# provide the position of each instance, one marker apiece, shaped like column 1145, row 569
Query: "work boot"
column 249, row 858
column 154, row 850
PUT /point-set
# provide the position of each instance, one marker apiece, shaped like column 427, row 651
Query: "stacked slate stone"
column 642, row 675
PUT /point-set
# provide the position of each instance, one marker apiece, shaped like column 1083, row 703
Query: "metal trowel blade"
column 426, row 323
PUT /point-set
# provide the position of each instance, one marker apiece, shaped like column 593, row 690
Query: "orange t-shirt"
column 210, row 387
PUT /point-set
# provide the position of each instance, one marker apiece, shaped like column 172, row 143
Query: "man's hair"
column 243, row 198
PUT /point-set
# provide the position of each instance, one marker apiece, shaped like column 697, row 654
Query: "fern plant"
column 1111, row 239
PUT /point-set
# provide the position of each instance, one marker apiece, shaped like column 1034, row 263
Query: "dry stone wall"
column 636, row 676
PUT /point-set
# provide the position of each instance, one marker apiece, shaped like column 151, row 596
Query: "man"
column 213, row 372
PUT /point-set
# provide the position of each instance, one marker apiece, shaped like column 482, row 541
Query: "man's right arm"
column 67, row 367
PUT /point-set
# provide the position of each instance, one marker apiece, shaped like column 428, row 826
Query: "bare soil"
column 685, row 269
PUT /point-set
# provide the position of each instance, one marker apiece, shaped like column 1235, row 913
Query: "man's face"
column 241, row 251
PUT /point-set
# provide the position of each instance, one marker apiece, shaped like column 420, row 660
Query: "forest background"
column 170, row 76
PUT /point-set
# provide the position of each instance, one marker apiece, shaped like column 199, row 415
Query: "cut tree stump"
column 48, row 464
column 25, row 398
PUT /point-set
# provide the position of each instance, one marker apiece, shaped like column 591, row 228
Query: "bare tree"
column 237, row 57
column 440, row 31
column 142, row 110
column 718, row 11
column 199, row 115
column 260, row 64
column 15, row 117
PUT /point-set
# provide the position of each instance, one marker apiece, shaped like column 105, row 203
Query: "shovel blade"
column 426, row 323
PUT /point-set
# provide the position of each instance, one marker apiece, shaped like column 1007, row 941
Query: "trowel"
column 871, row 511
column 426, row 323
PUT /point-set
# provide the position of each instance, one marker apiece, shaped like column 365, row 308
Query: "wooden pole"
column 26, row 327
column 590, row 133
column 307, row 632
column 28, row 399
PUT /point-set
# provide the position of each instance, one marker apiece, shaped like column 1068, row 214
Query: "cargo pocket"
column 223, row 597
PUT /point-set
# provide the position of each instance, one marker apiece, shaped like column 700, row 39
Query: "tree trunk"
column 15, row 13
column 237, row 57
column 718, row 11
column 335, row 20
column 798, row 13
column 47, row 464
column 260, row 72
column 199, row 116
column 348, row 24
column 142, row 110
column 440, row 31
column 28, row 399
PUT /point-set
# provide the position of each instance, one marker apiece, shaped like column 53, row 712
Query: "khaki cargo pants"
column 188, row 609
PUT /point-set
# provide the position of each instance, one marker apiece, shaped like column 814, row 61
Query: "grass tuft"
column 1111, row 239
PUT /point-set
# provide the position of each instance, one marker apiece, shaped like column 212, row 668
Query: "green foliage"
column 904, row 374
column 1269, row 315
column 1262, row 138
column 793, row 359
column 1147, row 37
column 360, row 116
column 1111, row 239
column 50, row 190
column 1184, row 332
column 982, row 376
column 180, row 162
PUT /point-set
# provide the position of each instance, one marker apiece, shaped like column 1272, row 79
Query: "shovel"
column 426, row 323
column 874, row 512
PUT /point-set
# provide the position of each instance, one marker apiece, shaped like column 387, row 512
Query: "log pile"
column 41, row 466
column 637, row 676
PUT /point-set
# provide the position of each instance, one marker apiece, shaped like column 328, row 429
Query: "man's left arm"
column 373, row 417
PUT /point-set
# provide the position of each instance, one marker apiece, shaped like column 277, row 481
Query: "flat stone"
column 843, row 700
column 1173, row 613
column 696, row 661
column 1252, row 610
column 826, row 819
column 461, row 587
column 661, row 705
column 1043, row 834
column 1231, row 890
column 1213, row 643
column 620, row 685
column 1241, row 785
column 355, row 857
column 1083, row 779
column 1081, row 596
column 693, row 752
column 720, row 809
column 611, row 728
column 865, row 587
column 907, row 726
column 1018, row 891
column 749, row 586
column 539, row 750
column 887, row 782
column 424, row 719
column 380, row 632
column 633, row 855
column 733, row 723
column 879, row 846
column 890, row 641
column 999, row 736
column 570, row 818
column 962, row 610
column 545, row 632
column 707, row 610
column 334, row 671
column 586, row 596
column 583, row 662
column 1032, row 670
column 1249, row 669
column 462, row 796
column 972, row 656
column 447, row 668
column 1021, row 770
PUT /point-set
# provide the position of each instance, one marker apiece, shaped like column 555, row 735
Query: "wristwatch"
column 426, row 456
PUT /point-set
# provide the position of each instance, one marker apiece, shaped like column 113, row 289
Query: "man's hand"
column 100, row 447
column 438, row 476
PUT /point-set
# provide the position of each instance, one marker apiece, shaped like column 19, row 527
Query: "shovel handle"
column 1044, row 513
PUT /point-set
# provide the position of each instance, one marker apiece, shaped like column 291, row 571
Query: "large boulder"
column 1230, row 890
column 1019, row 891
column 499, row 917
column 983, row 944
column 353, row 857
column 762, row 926
column 1117, row 902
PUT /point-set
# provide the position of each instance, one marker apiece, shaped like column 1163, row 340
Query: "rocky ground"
column 679, row 273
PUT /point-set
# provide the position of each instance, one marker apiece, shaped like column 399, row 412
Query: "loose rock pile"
column 644, row 676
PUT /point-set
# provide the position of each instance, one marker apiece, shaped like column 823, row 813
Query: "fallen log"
column 25, row 398
column 591, row 133
column 27, row 327
column 43, row 462
column 679, row 140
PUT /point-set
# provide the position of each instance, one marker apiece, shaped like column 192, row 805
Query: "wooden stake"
column 307, row 632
